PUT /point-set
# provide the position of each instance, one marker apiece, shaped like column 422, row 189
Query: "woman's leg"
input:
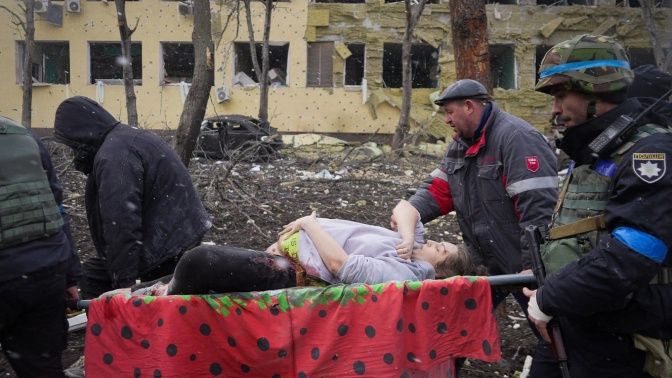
column 221, row 269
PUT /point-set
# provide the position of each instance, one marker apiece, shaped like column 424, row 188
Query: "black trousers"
column 33, row 326
column 222, row 269
column 96, row 279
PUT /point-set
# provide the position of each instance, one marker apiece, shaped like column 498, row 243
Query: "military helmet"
column 592, row 64
column 462, row 89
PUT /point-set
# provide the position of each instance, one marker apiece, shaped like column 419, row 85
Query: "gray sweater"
column 372, row 254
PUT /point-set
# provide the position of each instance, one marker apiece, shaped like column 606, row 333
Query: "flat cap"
column 460, row 89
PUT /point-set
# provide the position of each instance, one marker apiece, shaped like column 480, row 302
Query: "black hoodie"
column 141, row 203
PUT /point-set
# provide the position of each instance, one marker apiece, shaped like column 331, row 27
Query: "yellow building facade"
column 336, row 67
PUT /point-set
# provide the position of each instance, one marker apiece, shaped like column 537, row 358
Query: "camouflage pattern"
column 583, row 48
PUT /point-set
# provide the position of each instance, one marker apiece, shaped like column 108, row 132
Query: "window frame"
column 41, row 64
column 416, row 46
column 112, row 81
column 510, row 48
column 162, row 60
column 345, row 65
column 321, row 75
column 285, row 45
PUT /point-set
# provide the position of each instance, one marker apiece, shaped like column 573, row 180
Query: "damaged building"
column 335, row 64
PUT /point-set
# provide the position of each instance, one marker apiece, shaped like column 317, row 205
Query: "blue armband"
column 61, row 209
column 641, row 242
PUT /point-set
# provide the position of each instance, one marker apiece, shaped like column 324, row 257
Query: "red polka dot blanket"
column 394, row 329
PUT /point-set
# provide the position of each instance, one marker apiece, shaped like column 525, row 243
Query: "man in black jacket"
column 39, row 268
column 613, row 219
column 141, row 204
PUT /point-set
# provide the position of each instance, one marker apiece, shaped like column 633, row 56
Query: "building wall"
column 296, row 108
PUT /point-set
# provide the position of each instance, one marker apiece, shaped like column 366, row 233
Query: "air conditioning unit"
column 186, row 8
column 222, row 94
column 41, row 6
column 73, row 6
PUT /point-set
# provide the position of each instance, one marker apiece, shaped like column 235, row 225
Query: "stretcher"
column 393, row 329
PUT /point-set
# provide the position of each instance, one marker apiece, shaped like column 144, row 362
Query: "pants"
column 33, row 326
column 593, row 352
column 544, row 364
column 222, row 269
column 96, row 280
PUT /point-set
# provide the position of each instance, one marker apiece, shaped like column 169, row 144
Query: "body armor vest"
column 28, row 210
column 578, row 224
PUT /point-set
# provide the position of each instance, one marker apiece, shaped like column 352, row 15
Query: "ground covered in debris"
column 251, row 201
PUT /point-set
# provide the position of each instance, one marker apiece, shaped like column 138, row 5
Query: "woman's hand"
column 404, row 249
column 297, row 225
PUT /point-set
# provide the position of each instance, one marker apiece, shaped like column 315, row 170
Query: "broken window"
column 320, row 64
column 635, row 3
column 642, row 56
column 354, row 64
column 414, row 1
column 51, row 62
column 424, row 66
column 244, row 68
column 341, row 1
column 503, row 66
column 106, row 63
column 566, row 2
column 178, row 62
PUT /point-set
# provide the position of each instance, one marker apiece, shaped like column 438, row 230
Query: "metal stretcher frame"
column 498, row 282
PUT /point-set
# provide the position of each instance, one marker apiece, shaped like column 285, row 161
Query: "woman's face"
column 433, row 252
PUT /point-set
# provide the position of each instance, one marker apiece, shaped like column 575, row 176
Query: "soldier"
column 614, row 216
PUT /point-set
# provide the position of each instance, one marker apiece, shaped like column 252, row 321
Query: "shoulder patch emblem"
column 649, row 167
column 532, row 163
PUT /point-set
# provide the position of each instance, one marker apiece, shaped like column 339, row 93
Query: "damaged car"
column 227, row 136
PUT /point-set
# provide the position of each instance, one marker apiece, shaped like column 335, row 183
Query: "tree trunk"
column 403, row 127
column 29, row 44
column 125, row 32
column 662, row 62
column 262, row 72
column 203, row 80
column 469, row 26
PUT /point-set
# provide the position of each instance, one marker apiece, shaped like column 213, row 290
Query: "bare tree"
column 469, row 26
column 204, row 77
column 262, row 74
column 413, row 14
column 664, row 63
column 125, row 32
column 27, row 25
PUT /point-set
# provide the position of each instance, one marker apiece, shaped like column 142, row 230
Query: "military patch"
column 532, row 163
column 649, row 167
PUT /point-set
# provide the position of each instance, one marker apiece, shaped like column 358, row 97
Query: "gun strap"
column 578, row 227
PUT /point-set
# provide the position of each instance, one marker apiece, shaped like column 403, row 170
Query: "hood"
column 82, row 121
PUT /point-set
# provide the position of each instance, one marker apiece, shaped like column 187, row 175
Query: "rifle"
column 535, row 239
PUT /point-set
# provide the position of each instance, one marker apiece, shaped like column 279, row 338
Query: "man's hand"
column 71, row 293
column 393, row 224
column 535, row 315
